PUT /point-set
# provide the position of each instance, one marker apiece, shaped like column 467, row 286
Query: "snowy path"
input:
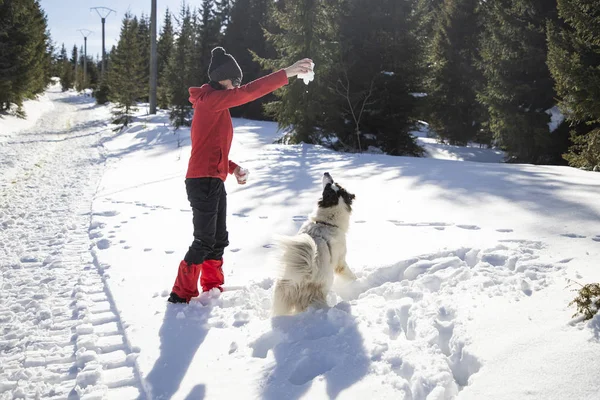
column 60, row 336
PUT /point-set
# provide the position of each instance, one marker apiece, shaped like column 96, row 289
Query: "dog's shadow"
column 319, row 344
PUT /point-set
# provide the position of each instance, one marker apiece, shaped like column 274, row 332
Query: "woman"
column 212, row 133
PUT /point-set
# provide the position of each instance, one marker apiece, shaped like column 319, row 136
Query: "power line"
column 85, row 33
column 103, row 12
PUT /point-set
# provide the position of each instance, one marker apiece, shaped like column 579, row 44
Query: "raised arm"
column 219, row 100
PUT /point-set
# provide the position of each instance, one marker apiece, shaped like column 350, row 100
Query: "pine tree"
column 224, row 11
column 67, row 74
column 519, row 88
column 305, row 28
column 164, row 49
column 244, row 36
column 375, row 74
column 180, row 70
column 75, row 65
column 143, row 33
column 574, row 60
column 453, row 79
column 79, row 84
column 74, row 53
column 126, row 71
column 25, row 52
column 426, row 15
column 207, row 31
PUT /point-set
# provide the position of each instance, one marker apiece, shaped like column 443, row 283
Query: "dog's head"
column 334, row 194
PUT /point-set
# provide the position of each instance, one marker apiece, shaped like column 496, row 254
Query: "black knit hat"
column 223, row 66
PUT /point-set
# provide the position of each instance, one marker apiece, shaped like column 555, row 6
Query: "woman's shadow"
column 183, row 330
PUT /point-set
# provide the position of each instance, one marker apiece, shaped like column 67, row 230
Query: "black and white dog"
column 310, row 258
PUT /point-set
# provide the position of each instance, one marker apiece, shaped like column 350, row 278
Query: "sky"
column 65, row 17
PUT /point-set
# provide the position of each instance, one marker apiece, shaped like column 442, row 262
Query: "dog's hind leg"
column 281, row 300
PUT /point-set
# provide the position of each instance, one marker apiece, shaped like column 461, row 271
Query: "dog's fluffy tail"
column 298, row 258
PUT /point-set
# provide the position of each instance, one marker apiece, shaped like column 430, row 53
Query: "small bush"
column 102, row 92
column 587, row 301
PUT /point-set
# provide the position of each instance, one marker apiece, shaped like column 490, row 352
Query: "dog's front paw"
column 346, row 273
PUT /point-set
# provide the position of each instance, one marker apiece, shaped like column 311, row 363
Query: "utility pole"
column 153, row 58
column 85, row 33
column 76, row 65
column 103, row 12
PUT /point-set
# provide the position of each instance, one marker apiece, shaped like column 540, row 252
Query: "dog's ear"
column 330, row 197
column 348, row 197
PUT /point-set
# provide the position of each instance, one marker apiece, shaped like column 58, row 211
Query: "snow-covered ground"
column 462, row 268
column 472, row 152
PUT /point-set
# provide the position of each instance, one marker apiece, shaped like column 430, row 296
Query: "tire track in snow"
column 60, row 336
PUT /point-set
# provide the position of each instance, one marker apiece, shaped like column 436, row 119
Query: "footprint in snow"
column 169, row 251
column 299, row 218
column 103, row 244
column 469, row 227
column 263, row 217
column 573, row 236
column 110, row 213
column 234, row 250
column 504, row 230
column 596, row 238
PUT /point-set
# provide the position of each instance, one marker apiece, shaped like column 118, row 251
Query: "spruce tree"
column 180, row 70
column 126, row 71
column 574, row 60
column 453, row 79
column 244, row 36
column 426, row 15
column 74, row 55
column 375, row 74
column 519, row 88
column 67, row 73
column 75, row 65
column 305, row 28
column 207, row 31
column 164, row 50
column 25, row 52
column 144, row 45
column 224, row 11
column 79, row 84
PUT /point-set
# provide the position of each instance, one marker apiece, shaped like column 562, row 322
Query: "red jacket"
column 212, row 130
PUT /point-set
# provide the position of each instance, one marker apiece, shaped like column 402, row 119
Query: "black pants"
column 208, row 199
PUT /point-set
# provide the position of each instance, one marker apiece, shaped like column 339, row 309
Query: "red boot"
column 212, row 275
column 186, row 283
